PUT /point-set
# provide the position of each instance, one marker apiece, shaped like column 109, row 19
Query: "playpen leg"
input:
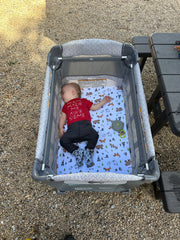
column 59, row 192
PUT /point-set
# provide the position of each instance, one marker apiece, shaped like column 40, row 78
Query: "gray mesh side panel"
column 132, row 132
column 94, row 68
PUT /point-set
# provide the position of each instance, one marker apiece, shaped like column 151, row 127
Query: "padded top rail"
column 92, row 47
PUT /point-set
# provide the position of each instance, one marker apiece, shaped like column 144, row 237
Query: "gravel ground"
column 28, row 30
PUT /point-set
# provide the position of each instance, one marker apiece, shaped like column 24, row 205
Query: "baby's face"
column 67, row 93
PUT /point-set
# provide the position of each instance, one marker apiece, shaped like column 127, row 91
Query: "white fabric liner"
column 112, row 150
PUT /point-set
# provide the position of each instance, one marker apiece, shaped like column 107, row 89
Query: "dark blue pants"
column 78, row 132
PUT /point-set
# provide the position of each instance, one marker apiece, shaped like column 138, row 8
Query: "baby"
column 76, row 113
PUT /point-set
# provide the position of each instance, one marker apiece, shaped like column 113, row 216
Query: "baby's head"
column 70, row 91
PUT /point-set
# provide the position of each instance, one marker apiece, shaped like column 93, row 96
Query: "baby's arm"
column 62, row 122
column 97, row 106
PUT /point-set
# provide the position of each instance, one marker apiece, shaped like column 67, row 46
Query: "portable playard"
column 124, row 156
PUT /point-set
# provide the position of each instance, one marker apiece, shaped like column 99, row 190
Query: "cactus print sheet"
column 112, row 153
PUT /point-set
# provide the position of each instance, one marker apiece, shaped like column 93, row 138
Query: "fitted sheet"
column 112, row 152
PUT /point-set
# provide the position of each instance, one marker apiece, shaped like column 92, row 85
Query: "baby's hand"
column 107, row 99
column 61, row 132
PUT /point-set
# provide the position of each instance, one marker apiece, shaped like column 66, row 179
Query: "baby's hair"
column 75, row 86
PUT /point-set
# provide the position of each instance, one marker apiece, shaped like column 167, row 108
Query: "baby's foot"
column 88, row 155
column 79, row 153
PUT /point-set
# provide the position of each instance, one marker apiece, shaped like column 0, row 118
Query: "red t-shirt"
column 77, row 110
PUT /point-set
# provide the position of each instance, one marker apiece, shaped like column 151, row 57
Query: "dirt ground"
column 30, row 210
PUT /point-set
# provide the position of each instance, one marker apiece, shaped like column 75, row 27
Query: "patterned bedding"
column 112, row 153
